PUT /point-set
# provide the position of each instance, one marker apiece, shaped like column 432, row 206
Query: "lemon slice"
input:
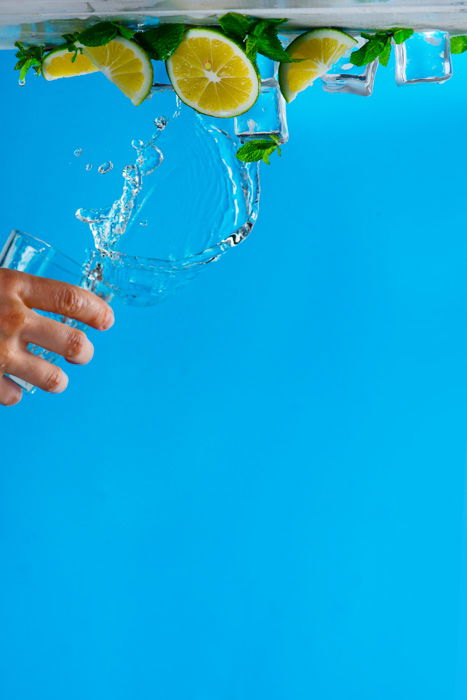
column 212, row 74
column 60, row 64
column 125, row 64
column 320, row 48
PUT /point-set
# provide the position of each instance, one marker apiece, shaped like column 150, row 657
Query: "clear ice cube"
column 424, row 58
column 346, row 78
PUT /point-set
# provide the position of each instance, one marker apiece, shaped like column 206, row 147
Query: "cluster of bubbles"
column 102, row 169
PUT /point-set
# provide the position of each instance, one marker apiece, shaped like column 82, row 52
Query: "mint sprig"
column 458, row 44
column 237, row 26
column 257, row 36
column 259, row 149
column 162, row 41
column 98, row 34
column 378, row 45
column 29, row 57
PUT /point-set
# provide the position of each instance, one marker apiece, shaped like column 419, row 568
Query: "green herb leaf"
column 373, row 48
column 386, row 52
column 263, row 27
column 98, row 34
column 258, row 35
column 124, row 31
column 251, row 47
column 236, row 26
column 162, row 41
column 25, row 68
column 378, row 45
column 71, row 39
column 458, row 44
column 268, row 43
column 28, row 57
column 257, row 150
column 401, row 35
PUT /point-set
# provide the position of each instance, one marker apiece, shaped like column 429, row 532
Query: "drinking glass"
column 26, row 253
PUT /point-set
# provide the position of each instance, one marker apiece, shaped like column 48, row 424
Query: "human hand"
column 20, row 293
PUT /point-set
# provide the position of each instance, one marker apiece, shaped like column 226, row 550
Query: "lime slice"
column 126, row 65
column 212, row 74
column 60, row 64
column 320, row 48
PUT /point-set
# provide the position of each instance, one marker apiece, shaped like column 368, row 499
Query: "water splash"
column 108, row 225
column 89, row 167
column 219, row 200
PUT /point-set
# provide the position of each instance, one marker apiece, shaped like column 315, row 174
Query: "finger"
column 70, row 343
column 39, row 372
column 65, row 299
column 10, row 393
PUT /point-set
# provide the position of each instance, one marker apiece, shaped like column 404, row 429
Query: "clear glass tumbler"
column 26, row 253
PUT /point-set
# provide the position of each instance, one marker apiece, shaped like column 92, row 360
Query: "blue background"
column 257, row 488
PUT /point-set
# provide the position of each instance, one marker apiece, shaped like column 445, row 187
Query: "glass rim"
column 23, row 235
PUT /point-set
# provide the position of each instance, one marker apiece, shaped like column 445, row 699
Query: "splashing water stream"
column 217, row 208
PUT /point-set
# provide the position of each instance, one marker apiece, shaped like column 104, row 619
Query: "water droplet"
column 143, row 223
column 137, row 144
column 161, row 122
column 150, row 159
column 22, row 82
column 88, row 166
column 77, row 152
column 105, row 167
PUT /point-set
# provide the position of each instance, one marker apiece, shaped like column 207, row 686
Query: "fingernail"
column 109, row 319
column 14, row 398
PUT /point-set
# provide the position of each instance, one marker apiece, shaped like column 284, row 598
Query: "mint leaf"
column 257, row 150
column 28, row 57
column 251, row 47
column 258, row 36
column 268, row 43
column 266, row 155
column 71, row 39
column 162, row 41
column 378, row 45
column 124, row 31
column 401, row 35
column 236, row 26
column 99, row 34
column 458, row 44
column 267, row 26
column 373, row 48
column 25, row 68
column 386, row 52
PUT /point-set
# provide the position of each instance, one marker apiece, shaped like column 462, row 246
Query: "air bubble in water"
column 77, row 152
column 105, row 167
column 88, row 166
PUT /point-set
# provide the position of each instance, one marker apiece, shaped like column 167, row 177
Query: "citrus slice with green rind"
column 60, row 64
column 213, row 74
column 319, row 49
column 126, row 65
